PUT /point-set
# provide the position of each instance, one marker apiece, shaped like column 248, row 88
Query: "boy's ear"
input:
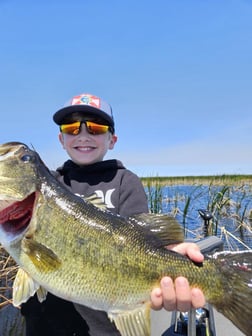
column 113, row 140
column 61, row 139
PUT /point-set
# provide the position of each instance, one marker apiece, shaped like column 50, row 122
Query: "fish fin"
column 96, row 201
column 133, row 322
column 23, row 287
column 41, row 294
column 236, row 301
column 43, row 258
column 165, row 227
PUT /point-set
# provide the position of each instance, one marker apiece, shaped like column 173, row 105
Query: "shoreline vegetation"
column 228, row 198
column 201, row 180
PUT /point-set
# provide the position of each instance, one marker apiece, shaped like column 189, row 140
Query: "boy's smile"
column 85, row 148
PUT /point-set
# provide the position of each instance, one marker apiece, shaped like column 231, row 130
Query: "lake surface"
column 230, row 206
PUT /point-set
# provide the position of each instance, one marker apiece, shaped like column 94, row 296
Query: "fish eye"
column 27, row 158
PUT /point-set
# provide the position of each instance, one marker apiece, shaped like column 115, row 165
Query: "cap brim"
column 65, row 113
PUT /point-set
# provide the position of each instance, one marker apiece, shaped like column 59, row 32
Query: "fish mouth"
column 15, row 218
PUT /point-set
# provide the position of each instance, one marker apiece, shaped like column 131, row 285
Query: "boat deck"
column 161, row 321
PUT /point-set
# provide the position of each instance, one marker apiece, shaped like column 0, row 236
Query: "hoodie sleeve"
column 133, row 199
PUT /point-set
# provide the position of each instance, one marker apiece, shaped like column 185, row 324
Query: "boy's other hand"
column 178, row 295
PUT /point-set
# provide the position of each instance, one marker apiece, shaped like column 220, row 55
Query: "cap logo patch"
column 86, row 100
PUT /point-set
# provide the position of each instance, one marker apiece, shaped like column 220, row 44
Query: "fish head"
column 19, row 186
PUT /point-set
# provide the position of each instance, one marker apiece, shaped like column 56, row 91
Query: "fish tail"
column 236, row 299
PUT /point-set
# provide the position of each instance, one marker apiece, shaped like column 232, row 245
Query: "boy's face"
column 85, row 148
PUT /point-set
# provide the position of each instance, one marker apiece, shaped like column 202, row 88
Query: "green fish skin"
column 82, row 253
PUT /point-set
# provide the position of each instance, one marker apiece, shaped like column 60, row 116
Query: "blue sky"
column 178, row 74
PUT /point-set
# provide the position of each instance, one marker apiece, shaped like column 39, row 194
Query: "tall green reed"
column 155, row 195
column 231, row 217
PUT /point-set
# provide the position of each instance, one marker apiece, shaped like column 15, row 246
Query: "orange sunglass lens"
column 96, row 128
column 73, row 128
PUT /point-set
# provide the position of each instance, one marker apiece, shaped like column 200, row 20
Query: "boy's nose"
column 83, row 130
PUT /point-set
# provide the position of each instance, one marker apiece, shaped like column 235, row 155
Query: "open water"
column 231, row 208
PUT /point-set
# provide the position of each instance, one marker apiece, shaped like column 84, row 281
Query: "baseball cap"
column 85, row 104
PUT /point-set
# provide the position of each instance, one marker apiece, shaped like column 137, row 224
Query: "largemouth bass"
column 75, row 250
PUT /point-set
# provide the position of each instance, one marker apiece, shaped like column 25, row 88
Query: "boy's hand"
column 178, row 295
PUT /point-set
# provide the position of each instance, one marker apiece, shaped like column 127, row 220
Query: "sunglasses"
column 92, row 128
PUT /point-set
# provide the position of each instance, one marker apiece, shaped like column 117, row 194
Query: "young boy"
column 87, row 132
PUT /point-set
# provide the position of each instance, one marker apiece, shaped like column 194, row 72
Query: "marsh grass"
column 228, row 199
column 12, row 323
column 8, row 270
column 201, row 180
column 155, row 195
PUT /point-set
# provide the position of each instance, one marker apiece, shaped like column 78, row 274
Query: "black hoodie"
column 118, row 187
